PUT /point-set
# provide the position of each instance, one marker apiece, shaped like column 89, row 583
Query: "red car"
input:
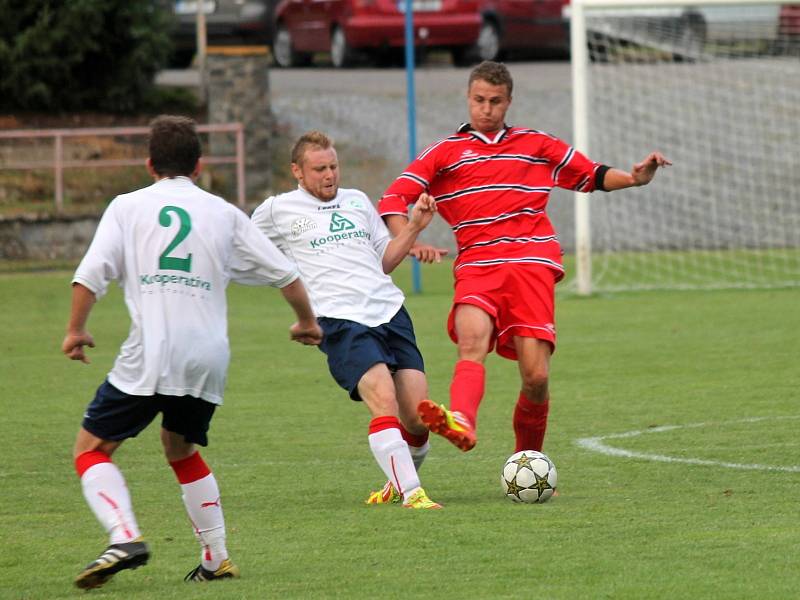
column 789, row 23
column 350, row 28
column 521, row 26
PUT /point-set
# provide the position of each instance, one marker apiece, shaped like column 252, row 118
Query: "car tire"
column 283, row 52
column 342, row 54
column 487, row 47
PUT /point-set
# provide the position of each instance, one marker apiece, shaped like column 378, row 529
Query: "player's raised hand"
column 427, row 202
column 73, row 344
column 421, row 214
column 423, row 210
column 307, row 334
column 643, row 172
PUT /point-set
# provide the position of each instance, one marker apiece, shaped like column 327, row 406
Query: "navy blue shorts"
column 353, row 348
column 116, row 416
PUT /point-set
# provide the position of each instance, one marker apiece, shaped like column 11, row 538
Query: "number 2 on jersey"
column 165, row 261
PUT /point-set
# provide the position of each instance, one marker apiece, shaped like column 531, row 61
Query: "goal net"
column 714, row 86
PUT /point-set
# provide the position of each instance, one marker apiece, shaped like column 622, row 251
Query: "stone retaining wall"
column 46, row 238
column 238, row 91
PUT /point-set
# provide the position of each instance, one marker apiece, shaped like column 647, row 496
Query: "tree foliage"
column 70, row 55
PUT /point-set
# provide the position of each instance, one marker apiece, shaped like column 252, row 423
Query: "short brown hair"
column 492, row 72
column 309, row 139
column 174, row 145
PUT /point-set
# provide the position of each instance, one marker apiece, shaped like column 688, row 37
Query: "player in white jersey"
column 344, row 254
column 173, row 248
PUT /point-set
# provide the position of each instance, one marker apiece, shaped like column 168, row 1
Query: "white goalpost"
column 715, row 86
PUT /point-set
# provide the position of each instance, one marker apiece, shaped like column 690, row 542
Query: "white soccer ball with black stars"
column 529, row 476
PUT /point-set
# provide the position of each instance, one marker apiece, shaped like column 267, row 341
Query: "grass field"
column 290, row 452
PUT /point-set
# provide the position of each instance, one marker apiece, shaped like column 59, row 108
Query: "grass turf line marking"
column 597, row 444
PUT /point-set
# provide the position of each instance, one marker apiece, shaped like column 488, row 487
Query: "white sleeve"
column 263, row 219
column 380, row 236
column 256, row 260
column 104, row 259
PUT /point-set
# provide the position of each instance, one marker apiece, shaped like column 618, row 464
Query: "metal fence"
column 58, row 163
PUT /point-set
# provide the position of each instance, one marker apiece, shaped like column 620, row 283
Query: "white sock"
column 107, row 495
column 202, row 502
column 392, row 454
column 418, row 454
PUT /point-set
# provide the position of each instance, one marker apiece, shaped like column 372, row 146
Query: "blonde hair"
column 310, row 139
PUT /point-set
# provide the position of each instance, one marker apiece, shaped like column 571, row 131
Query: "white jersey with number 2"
column 338, row 247
column 174, row 248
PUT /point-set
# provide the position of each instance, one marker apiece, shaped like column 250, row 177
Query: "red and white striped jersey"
column 493, row 192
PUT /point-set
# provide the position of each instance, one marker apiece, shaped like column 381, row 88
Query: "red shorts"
column 519, row 298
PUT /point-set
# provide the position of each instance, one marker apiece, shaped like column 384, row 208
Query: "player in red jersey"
column 492, row 183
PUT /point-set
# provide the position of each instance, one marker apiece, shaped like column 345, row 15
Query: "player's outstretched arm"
column 425, row 253
column 642, row 173
column 404, row 239
column 77, row 337
column 306, row 330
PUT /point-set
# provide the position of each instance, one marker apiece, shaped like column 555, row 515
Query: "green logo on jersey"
column 339, row 223
column 162, row 280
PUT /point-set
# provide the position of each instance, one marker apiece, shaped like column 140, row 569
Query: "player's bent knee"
column 535, row 386
column 88, row 442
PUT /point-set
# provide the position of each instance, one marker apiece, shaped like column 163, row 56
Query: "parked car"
column 685, row 30
column 227, row 22
column 509, row 26
column 789, row 24
column 348, row 29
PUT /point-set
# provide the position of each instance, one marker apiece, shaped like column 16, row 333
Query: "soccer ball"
column 529, row 476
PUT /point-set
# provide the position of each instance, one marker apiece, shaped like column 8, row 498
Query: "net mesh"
column 717, row 90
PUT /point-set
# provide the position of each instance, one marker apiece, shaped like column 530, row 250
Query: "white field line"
column 597, row 444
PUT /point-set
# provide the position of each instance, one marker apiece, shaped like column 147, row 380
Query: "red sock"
column 203, row 504
column 380, row 423
column 530, row 423
column 412, row 439
column 190, row 469
column 466, row 389
column 89, row 459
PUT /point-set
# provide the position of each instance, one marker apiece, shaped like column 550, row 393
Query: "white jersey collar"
column 467, row 128
column 179, row 180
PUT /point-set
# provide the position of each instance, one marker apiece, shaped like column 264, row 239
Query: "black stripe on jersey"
column 414, row 178
column 501, row 217
column 501, row 261
column 582, row 184
column 533, row 132
column 496, row 187
column 521, row 157
column 452, row 138
column 563, row 163
column 511, row 240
